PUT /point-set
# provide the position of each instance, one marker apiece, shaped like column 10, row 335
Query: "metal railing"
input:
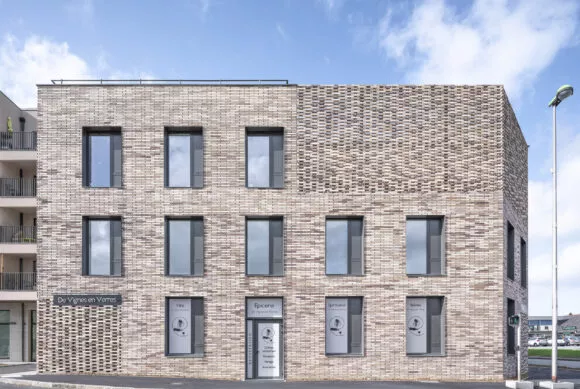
column 170, row 82
column 17, row 234
column 17, row 281
column 18, row 141
column 17, row 187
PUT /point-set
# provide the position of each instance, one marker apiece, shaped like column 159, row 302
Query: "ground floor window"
column 5, row 334
column 344, row 328
column 425, row 326
column 184, row 326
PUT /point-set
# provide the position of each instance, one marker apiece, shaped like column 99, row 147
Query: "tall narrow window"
column 425, row 246
column 264, row 247
column 425, row 326
column 183, row 157
column 344, row 326
column 102, row 249
column 184, row 326
column 102, row 157
column 511, row 331
column 524, row 263
column 184, row 246
column 344, row 246
column 264, row 158
column 510, row 251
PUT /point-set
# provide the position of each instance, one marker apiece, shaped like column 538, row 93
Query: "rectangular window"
column 524, row 263
column 264, row 158
column 184, row 326
column 102, row 157
column 510, row 251
column 102, row 246
column 183, row 157
column 344, row 326
column 511, row 332
column 264, row 247
column 425, row 326
column 344, row 246
column 184, row 246
column 425, row 246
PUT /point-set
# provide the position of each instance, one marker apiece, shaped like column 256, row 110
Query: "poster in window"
column 337, row 326
column 416, row 325
column 179, row 326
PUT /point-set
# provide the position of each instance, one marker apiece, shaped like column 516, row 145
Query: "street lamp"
column 562, row 93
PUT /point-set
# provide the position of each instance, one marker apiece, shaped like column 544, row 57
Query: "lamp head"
column 563, row 93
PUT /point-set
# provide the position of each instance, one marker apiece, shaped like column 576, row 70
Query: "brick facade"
column 381, row 152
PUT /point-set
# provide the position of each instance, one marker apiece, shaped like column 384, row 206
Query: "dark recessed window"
column 511, row 332
column 102, row 157
column 344, row 326
column 344, row 246
column 264, row 158
column 510, row 251
column 184, row 246
column 102, row 246
column 184, row 326
column 264, row 247
column 425, row 326
column 425, row 246
column 524, row 263
column 183, row 157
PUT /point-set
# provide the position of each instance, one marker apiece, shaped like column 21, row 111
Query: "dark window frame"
column 511, row 331
column 192, row 132
column 429, row 318
column 87, row 133
column 511, row 243
column 349, row 318
column 193, row 354
column 443, row 220
column 86, row 238
column 193, row 220
column 349, row 244
column 270, row 132
column 523, row 263
column 270, row 219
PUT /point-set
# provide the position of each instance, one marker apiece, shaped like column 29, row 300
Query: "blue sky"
column 531, row 46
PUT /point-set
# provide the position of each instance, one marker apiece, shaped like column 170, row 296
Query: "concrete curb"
column 62, row 385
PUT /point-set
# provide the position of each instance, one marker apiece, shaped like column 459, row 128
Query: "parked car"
column 536, row 341
column 574, row 340
column 561, row 342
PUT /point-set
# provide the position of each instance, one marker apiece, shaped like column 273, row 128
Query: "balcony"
column 17, row 240
column 18, row 146
column 18, row 192
column 17, row 286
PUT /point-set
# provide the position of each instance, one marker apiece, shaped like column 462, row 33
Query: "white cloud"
column 281, row 31
column 494, row 42
column 332, row 7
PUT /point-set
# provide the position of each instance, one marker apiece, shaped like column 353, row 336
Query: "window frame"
column 427, row 218
column 87, row 133
column 86, row 246
column 510, row 246
column 191, row 132
column 270, row 219
column 349, row 318
column 523, row 263
column 443, row 323
column 348, row 219
column 193, row 354
column 193, row 220
column 269, row 132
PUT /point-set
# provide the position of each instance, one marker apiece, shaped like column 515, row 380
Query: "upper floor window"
column 524, row 263
column 102, row 158
column 183, row 157
column 344, row 246
column 425, row 326
column 264, row 247
column 184, row 246
column 510, row 250
column 102, row 246
column 264, row 157
column 425, row 246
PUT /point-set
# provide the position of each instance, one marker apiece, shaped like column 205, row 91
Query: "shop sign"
column 270, row 308
column 79, row 300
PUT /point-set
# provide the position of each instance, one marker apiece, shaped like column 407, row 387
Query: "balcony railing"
column 17, row 187
column 17, row 234
column 17, row 281
column 18, row 140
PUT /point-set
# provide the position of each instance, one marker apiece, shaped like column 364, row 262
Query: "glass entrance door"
column 33, row 336
column 4, row 334
column 268, row 339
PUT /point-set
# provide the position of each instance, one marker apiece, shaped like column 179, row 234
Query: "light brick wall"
column 382, row 152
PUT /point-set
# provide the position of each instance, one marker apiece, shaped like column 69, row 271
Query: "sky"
column 532, row 47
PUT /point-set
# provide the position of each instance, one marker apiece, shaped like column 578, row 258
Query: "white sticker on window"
column 416, row 325
column 337, row 326
column 179, row 326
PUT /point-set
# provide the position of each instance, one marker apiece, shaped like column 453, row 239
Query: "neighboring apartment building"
column 17, row 232
column 301, row 232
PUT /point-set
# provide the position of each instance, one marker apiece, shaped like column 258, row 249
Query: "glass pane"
column 179, row 160
column 179, row 326
column 258, row 247
column 100, row 160
column 4, row 341
column 100, row 247
column 336, row 247
column 258, row 161
column 416, row 246
column 179, row 247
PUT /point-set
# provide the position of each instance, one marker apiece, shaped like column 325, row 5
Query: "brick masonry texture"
column 381, row 152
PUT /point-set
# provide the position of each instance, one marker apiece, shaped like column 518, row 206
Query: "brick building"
column 301, row 232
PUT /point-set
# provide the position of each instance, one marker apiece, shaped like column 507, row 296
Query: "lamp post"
column 562, row 93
